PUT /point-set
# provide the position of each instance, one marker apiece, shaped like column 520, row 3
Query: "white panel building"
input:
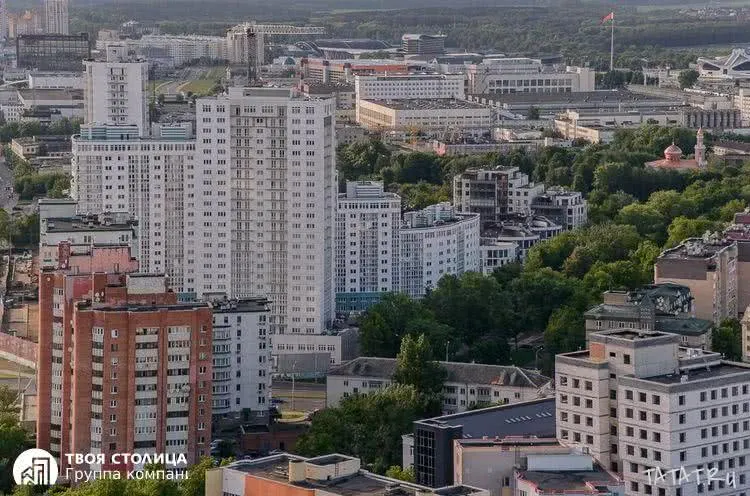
column 115, row 89
column 409, row 86
column 152, row 179
column 56, row 16
column 241, row 360
column 367, row 245
column 435, row 242
column 282, row 189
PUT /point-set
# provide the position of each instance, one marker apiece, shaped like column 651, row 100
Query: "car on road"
column 277, row 401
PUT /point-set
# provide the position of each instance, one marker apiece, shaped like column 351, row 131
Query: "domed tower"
column 700, row 149
column 673, row 153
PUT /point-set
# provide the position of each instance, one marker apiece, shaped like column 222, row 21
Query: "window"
column 626, row 361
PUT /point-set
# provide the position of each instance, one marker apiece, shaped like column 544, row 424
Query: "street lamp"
column 536, row 356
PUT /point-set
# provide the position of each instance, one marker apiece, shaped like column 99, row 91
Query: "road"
column 308, row 396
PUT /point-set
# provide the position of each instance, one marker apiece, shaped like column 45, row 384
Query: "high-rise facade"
column 115, row 89
column 266, row 189
column 241, row 360
column 122, row 367
column 245, row 208
column 56, row 16
column 367, row 245
column 152, row 179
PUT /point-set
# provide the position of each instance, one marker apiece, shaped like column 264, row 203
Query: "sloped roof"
column 470, row 373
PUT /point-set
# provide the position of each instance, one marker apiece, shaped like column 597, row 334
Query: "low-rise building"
column 508, row 75
column 313, row 354
column 55, row 80
column 63, row 102
column 708, row 266
column 431, row 448
column 570, row 474
column 410, row 86
column 420, row 114
column 495, row 254
column 479, row 146
column 29, row 147
column 467, row 385
column 328, row 475
column 662, row 307
column 343, row 71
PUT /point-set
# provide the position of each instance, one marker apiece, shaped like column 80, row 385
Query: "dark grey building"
column 52, row 52
column 433, row 438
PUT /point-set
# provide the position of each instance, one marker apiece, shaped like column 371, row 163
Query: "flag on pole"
column 608, row 17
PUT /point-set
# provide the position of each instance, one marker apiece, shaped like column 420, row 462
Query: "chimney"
column 296, row 471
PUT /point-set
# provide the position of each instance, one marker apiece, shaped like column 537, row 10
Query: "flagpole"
column 612, row 46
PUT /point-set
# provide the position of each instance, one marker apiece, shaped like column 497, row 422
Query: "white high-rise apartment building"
column 436, row 242
column 153, row 179
column 241, row 360
column 115, row 89
column 367, row 245
column 56, row 16
column 267, row 190
column 246, row 208
column 638, row 401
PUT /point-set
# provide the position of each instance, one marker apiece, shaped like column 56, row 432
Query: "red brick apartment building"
column 135, row 364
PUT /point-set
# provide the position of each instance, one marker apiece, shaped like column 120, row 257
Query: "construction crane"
column 249, row 39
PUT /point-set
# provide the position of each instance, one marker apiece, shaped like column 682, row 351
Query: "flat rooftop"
column 429, row 104
column 240, row 306
column 276, row 468
column 86, row 223
column 573, row 481
column 588, row 97
column 530, row 418
column 696, row 248
column 51, row 94
column 708, row 373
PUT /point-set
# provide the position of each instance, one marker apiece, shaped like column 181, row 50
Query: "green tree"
column 727, row 339
column 368, row 426
column 648, row 221
column 13, row 441
column 533, row 113
column 385, row 324
column 195, row 484
column 396, row 472
column 683, row 228
column 415, row 367
column 687, row 78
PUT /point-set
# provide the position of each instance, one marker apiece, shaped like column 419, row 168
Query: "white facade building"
column 523, row 75
column 468, row 384
column 177, row 49
column 55, row 80
column 736, row 65
column 56, row 16
column 423, row 114
column 152, row 179
column 495, row 254
column 636, row 401
column 409, row 86
column 367, row 245
column 115, row 89
column 246, row 208
column 281, row 192
column 241, row 360
column 435, row 242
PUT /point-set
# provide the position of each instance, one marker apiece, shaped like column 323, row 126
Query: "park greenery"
column 370, row 426
column 634, row 213
column 14, row 439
